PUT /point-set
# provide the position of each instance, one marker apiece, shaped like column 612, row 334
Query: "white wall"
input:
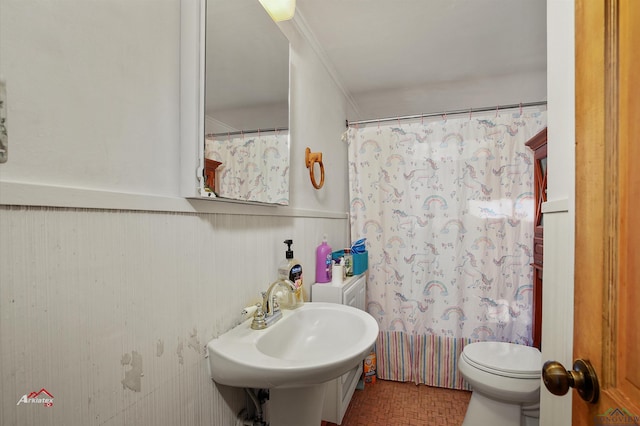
column 318, row 121
column 92, row 93
column 93, row 119
column 559, row 211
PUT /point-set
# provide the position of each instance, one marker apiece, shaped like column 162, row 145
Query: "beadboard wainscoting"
column 110, row 310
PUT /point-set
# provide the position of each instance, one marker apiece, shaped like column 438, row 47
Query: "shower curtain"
column 447, row 209
column 255, row 166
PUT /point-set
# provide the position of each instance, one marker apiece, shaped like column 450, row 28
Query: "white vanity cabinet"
column 339, row 391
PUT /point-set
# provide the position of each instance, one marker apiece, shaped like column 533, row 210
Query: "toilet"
column 505, row 383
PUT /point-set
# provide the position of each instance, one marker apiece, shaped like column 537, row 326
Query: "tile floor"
column 388, row 403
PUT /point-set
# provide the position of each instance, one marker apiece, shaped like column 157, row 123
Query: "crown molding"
column 303, row 28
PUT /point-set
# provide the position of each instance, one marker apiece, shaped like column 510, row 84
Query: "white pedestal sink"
column 294, row 357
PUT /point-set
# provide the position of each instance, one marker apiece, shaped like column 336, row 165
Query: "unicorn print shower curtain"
column 447, row 209
column 255, row 166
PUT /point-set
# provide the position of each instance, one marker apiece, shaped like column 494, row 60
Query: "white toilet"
column 505, row 380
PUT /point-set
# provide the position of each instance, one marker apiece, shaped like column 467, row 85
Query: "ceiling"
column 405, row 57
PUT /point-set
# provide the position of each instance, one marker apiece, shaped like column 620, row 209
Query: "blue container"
column 360, row 260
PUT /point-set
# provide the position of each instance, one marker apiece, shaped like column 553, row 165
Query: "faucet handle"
column 249, row 310
column 259, row 322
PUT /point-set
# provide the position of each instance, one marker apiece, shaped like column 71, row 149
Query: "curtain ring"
column 310, row 159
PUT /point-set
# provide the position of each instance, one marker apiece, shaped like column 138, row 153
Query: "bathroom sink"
column 310, row 345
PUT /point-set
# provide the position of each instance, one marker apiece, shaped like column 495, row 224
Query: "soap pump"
column 291, row 269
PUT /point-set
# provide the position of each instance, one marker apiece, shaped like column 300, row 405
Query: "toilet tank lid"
column 505, row 357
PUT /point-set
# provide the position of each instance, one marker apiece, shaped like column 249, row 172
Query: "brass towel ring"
column 310, row 158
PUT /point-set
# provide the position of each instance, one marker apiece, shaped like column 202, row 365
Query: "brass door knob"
column 583, row 378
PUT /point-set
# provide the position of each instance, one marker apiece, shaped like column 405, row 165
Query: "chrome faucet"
column 269, row 312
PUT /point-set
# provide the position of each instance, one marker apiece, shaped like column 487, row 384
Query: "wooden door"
column 607, row 268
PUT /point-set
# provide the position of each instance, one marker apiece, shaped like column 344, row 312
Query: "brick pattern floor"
column 388, row 403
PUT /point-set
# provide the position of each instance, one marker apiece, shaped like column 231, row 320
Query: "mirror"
column 246, row 104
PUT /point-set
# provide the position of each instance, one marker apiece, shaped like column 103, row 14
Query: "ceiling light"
column 279, row 10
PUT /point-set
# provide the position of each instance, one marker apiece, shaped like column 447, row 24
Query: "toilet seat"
column 504, row 359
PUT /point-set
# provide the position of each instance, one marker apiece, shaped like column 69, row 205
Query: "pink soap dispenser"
column 323, row 262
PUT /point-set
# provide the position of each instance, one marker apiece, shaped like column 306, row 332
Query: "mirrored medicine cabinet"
column 234, row 103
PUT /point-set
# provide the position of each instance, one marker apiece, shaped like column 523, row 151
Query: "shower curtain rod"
column 445, row 113
column 245, row 132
